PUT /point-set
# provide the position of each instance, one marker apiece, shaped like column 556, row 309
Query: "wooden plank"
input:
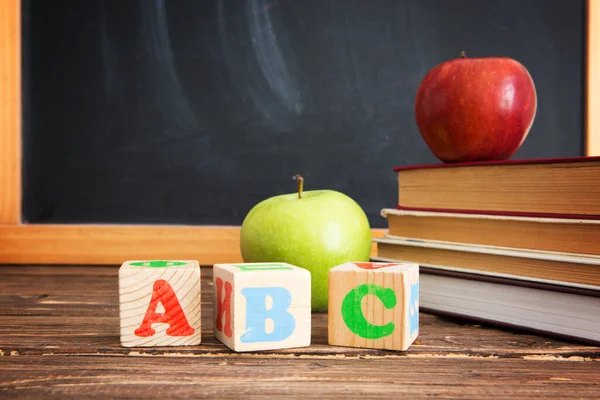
column 592, row 116
column 263, row 376
column 113, row 244
column 10, row 111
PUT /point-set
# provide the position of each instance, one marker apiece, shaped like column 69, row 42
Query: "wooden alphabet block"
column 160, row 303
column 261, row 306
column 374, row 305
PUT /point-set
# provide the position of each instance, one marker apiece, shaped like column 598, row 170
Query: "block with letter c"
column 374, row 305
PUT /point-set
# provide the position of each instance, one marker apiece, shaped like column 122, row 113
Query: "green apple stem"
column 300, row 185
column 463, row 54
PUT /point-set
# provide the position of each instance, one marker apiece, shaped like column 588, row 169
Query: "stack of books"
column 513, row 243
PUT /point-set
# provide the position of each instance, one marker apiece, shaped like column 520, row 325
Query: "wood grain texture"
column 261, row 376
column 113, row 244
column 160, row 291
column 59, row 336
column 592, row 117
column 384, row 317
column 10, row 112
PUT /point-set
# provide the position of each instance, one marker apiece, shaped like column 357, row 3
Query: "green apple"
column 316, row 230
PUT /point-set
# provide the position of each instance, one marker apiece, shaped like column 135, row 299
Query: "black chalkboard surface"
column 191, row 112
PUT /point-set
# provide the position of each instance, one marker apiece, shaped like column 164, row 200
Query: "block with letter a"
column 261, row 306
column 159, row 303
column 374, row 305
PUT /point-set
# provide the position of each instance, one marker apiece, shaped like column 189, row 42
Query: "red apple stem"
column 463, row 54
column 300, row 184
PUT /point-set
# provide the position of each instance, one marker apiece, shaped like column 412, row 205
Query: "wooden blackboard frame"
column 113, row 243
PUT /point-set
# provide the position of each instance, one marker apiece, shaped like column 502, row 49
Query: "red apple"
column 476, row 109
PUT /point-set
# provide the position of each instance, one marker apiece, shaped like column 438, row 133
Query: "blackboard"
column 191, row 112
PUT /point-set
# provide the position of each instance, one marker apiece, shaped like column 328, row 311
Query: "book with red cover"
column 562, row 187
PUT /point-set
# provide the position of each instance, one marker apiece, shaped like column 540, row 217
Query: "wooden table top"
column 59, row 336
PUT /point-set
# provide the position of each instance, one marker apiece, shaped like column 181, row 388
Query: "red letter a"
column 224, row 306
column 173, row 315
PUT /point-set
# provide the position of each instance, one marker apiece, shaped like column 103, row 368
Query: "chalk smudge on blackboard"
column 260, row 62
column 171, row 99
column 270, row 57
column 361, row 80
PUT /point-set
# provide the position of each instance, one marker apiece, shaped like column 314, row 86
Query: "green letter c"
column 353, row 315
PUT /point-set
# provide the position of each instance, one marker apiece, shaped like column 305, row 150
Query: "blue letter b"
column 257, row 315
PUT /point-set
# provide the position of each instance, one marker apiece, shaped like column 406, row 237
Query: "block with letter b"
column 261, row 306
column 374, row 305
column 159, row 303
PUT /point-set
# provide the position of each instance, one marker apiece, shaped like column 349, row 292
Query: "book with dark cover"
column 543, row 188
